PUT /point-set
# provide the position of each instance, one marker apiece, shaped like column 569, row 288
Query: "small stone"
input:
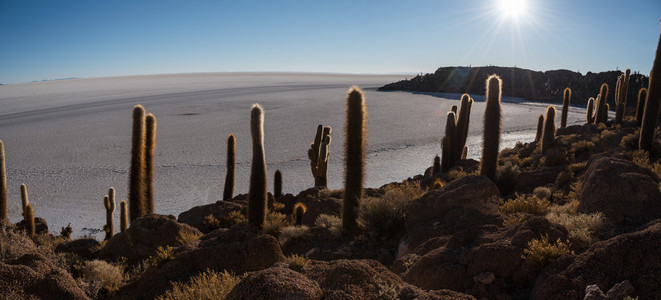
column 593, row 292
column 485, row 278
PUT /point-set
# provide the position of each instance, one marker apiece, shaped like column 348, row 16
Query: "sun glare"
column 512, row 8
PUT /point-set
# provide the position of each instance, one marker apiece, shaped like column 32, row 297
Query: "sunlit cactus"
column 602, row 102
column 540, row 128
column 4, row 220
column 646, row 140
column 257, row 196
column 355, row 143
column 231, row 164
column 29, row 220
column 589, row 113
column 24, row 198
column 463, row 121
column 299, row 211
column 137, row 172
column 491, row 139
column 548, row 135
column 565, row 107
column 150, row 146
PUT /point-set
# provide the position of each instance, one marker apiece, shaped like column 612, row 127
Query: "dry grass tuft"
column 331, row 223
column 275, row 221
column 297, row 262
column 290, row 232
column 98, row 274
column 525, row 204
column 385, row 216
column 543, row 193
column 541, row 252
column 205, row 286
column 236, row 217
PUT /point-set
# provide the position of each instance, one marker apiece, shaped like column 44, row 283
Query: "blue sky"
column 59, row 39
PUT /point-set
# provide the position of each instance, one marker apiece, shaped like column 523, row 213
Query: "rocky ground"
column 581, row 221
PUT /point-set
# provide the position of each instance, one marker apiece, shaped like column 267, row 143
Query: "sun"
column 512, row 8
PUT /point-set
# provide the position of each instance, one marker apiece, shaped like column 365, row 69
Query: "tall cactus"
column 589, row 113
column 491, row 139
column 548, row 135
column 601, row 104
column 258, row 186
column 449, row 143
column 24, row 198
column 137, row 172
column 540, row 128
column 646, row 140
column 231, row 164
column 29, row 220
column 150, row 146
column 355, row 143
column 318, row 154
column 463, row 121
column 277, row 184
column 640, row 105
column 4, row 220
column 565, row 107
column 123, row 216
column 109, row 203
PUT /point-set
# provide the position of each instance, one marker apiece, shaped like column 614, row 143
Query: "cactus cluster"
column 318, row 155
column 231, row 164
column 453, row 144
column 141, row 176
column 257, row 196
column 355, row 133
column 621, row 91
column 28, row 211
column 109, row 203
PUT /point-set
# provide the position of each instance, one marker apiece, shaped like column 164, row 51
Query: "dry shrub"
column 206, row 286
column 564, row 177
column 297, row 262
column 98, row 273
column 641, row 158
column 568, row 208
column 438, row 183
column 542, row 193
column 514, row 219
column 236, row 217
column 186, row 237
column 630, row 141
column 506, row 178
column 581, row 227
column 577, row 167
column 454, row 174
column 275, row 221
column 541, row 252
column 14, row 244
column 331, row 223
column 162, row 255
column 606, row 135
column 211, row 222
column 525, row 204
column 326, row 193
column 582, row 146
column 290, row 232
column 385, row 216
column 554, row 157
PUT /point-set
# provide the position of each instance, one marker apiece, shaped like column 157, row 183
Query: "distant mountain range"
column 527, row 84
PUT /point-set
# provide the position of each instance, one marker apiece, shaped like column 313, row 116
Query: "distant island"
column 523, row 83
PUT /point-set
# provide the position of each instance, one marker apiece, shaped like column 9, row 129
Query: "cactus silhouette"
column 548, row 134
column 449, row 143
column 313, row 152
column 150, row 145
column 277, row 184
column 24, row 198
column 66, row 232
column 640, row 105
column 29, row 220
column 491, row 139
column 436, row 167
column 258, row 186
column 137, row 172
column 646, row 140
column 299, row 211
column 589, row 113
column 463, row 121
column 4, row 220
column 540, row 128
column 109, row 203
column 453, row 109
column 464, row 152
column 565, row 107
column 602, row 101
column 354, row 156
column 123, row 216
column 231, row 164
column 619, row 113
column 318, row 155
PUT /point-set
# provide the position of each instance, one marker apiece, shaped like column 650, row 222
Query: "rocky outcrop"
column 85, row 247
column 32, row 276
column 623, row 191
column 145, row 235
column 634, row 257
column 238, row 249
column 276, row 283
column 220, row 210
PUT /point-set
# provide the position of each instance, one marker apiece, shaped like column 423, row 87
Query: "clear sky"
column 58, row 39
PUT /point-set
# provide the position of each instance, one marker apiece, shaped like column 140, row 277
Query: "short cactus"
column 491, row 139
column 565, row 107
column 449, row 142
column 355, row 142
column 436, row 167
column 123, row 216
column 589, row 113
column 548, row 135
column 318, row 154
column 540, row 128
column 646, row 140
column 109, row 203
column 137, row 172
column 66, row 232
column 299, row 211
column 231, row 164
column 4, row 220
column 150, row 146
column 24, row 198
column 258, row 186
column 277, row 184
column 29, row 220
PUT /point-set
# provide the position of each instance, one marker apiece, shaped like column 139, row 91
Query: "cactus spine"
column 231, row 164
column 449, row 143
column 123, row 216
column 299, row 211
column 137, row 173
column 355, row 142
column 651, row 113
column 29, row 220
column 590, row 111
column 540, row 128
column 258, row 186
column 109, row 203
column 565, row 107
column 150, row 145
column 491, row 139
column 4, row 220
column 277, row 184
column 640, row 105
column 548, row 134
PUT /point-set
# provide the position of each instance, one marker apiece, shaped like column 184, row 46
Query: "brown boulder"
column 220, row 210
column 276, row 283
column 318, row 206
column 625, row 192
column 238, row 249
column 86, row 247
column 634, row 257
column 527, row 181
column 32, row 276
column 145, row 235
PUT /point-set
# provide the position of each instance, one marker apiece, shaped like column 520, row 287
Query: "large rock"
column 276, row 283
column 32, row 276
column 625, row 192
column 527, row 181
column 85, row 247
column 318, row 206
column 238, row 249
column 220, row 210
column 634, row 257
column 145, row 235
column 459, row 197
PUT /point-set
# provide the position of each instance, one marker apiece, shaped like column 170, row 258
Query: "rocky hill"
column 527, row 84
